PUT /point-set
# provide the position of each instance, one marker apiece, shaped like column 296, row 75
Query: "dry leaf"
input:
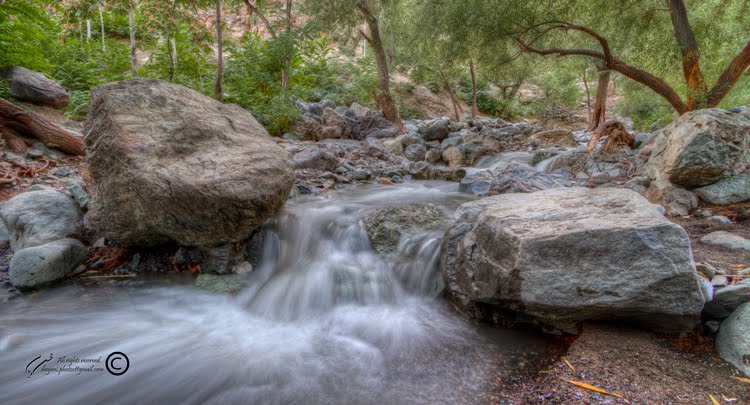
column 724, row 397
column 714, row 401
column 573, row 369
column 743, row 379
column 593, row 388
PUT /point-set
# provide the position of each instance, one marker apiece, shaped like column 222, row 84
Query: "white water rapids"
column 324, row 320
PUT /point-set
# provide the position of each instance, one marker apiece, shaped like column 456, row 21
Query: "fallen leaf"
column 714, row 401
column 593, row 388
column 724, row 397
column 573, row 369
column 743, row 379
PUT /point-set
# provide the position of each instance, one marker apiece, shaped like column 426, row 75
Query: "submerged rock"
column 386, row 226
column 567, row 255
column 170, row 164
column 224, row 284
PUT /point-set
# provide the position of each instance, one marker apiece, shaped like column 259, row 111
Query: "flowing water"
column 324, row 320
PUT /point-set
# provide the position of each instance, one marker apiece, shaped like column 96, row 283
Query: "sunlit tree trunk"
column 88, row 30
column 600, row 105
column 101, row 19
column 588, row 96
column 131, row 23
column 384, row 97
column 220, row 55
column 474, row 109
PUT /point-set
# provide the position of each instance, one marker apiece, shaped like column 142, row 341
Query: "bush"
column 647, row 110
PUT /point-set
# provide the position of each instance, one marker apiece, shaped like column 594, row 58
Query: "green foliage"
column 647, row 110
column 24, row 29
column 253, row 77
column 4, row 90
column 78, row 106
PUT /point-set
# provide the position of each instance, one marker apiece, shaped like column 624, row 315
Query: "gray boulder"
column 726, row 240
column 731, row 190
column 676, row 200
column 700, row 148
column 567, row 255
column 170, row 164
column 733, row 341
column 436, row 130
column 388, row 225
column 334, row 119
column 727, row 299
column 40, row 215
column 27, row 85
column 372, row 124
column 415, row 152
column 514, row 178
column 313, row 157
column 37, row 266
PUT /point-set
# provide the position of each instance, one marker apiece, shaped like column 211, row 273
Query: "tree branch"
column 729, row 77
column 253, row 9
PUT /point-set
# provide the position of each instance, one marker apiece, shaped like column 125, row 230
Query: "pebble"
column 720, row 220
column 706, row 269
column 719, row 281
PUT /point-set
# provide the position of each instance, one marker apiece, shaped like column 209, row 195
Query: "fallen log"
column 51, row 134
column 15, row 142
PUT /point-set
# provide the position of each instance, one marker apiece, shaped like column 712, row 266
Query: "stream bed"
column 324, row 320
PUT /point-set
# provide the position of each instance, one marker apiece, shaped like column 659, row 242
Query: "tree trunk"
column 474, row 109
column 220, row 55
column 101, row 19
column 600, row 106
column 173, row 54
column 696, row 85
column 287, row 63
column 14, row 141
column 448, row 88
column 385, row 100
column 35, row 125
column 88, row 30
column 391, row 47
column 588, row 96
column 131, row 24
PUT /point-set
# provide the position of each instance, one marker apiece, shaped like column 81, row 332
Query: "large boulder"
column 170, row 164
column 386, row 226
column 436, row 130
column 40, row 215
column 332, row 118
column 567, row 255
column 37, row 266
column 27, row 85
column 731, row 190
column 733, row 341
column 700, row 148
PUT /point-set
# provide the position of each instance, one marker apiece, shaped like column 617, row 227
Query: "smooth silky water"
column 324, row 320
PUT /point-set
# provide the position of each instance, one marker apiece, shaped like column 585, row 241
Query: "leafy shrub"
column 647, row 110
column 78, row 106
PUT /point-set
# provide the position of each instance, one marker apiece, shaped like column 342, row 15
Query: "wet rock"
column 700, row 148
column 27, row 85
column 512, row 252
column 676, row 200
column 733, row 340
column 313, row 157
column 727, row 299
column 221, row 284
column 727, row 240
column 554, row 137
column 734, row 189
column 39, row 216
column 388, row 225
column 415, row 152
column 197, row 172
column 40, row 265
column 421, row 171
column 361, row 174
